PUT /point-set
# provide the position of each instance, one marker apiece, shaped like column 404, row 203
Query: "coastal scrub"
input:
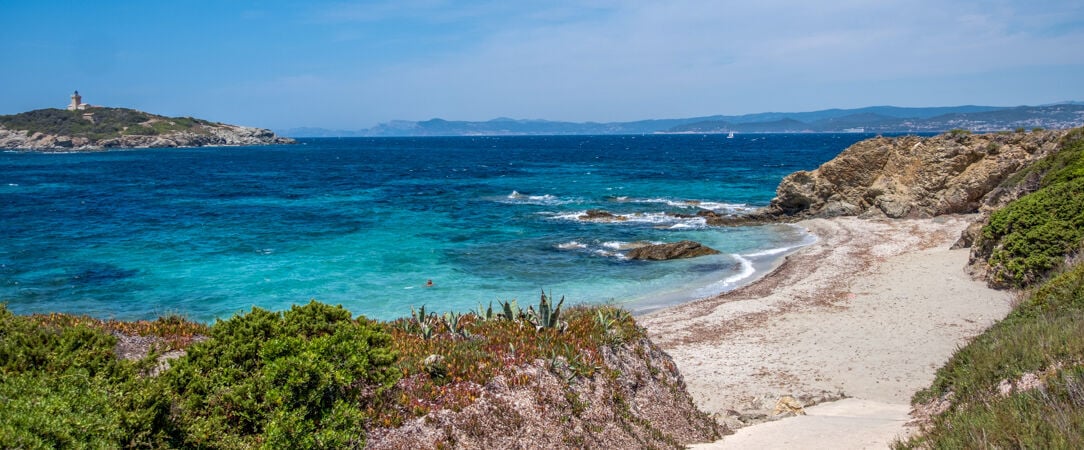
column 99, row 123
column 298, row 379
column 59, row 385
column 316, row 377
column 1027, row 239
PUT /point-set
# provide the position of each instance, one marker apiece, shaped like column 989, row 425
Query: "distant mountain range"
column 874, row 119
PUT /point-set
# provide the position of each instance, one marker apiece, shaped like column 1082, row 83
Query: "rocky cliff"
column 117, row 128
column 914, row 177
column 637, row 400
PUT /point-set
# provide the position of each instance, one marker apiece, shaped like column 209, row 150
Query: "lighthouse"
column 77, row 102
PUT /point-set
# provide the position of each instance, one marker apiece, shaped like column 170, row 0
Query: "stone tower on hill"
column 77, row 102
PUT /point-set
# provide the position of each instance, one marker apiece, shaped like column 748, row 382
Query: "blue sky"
column 351, row 65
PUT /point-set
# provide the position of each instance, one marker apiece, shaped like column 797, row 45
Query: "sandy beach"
column 868, row 312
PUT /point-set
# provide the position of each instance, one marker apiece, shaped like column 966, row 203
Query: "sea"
column 368, row 222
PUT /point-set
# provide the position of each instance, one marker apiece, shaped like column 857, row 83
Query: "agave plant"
column 454, row 324
column 608, row 317
column 547, row 315
column 424, row 321
column 487, row 313
column 510, row 310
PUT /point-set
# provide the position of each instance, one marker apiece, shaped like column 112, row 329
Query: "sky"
column 351, row 65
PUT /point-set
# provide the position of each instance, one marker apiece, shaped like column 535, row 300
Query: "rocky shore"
column 914, row 177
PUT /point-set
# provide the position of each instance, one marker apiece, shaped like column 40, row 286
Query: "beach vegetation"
column 298, row 379
column 309, row 377
column 61, row 385
column 446, row 368
column 140, row 130
column 1030, row 237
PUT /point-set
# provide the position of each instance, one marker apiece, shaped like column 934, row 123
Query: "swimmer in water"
column 428, row 283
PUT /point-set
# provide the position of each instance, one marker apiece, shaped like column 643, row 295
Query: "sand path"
column 870, row 310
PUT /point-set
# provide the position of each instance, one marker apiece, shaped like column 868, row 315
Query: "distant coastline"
column 874, row 119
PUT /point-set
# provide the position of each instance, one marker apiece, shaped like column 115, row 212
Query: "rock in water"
column 599, row 215
column 676, row 250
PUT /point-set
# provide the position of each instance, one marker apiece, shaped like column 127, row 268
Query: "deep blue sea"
column 365, row 222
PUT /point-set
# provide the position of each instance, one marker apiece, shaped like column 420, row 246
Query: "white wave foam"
column 610, row 254
column 572, row 245
column 616, row 245
column 689, row 204
column 769, row 252
column 726, row 207
column 572, row 216
column 543, row 200
column 747, row 271
column 682, row 227
column 622, row 245
column 660, row 219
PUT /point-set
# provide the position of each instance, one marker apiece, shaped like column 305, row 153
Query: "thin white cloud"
column 633, row 60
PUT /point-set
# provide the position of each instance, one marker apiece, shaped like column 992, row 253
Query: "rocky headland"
column 915, row 177
column 101, row 128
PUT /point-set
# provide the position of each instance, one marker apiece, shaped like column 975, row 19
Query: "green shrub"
column 59, row 386
column 140, row 130
column 298, row 379
column 1031, row 236
column 310, row 377
column 67, row 410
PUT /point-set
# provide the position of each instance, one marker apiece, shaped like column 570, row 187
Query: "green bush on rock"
column 57, row 385
column 1027, row 239
column 309, row 377
column 298, row 379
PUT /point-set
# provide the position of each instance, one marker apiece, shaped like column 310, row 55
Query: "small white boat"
column 730, row 136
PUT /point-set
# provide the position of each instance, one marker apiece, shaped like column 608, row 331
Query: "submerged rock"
column 598, row 215
column 676, row 250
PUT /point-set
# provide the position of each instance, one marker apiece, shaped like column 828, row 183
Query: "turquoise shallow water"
column 365, row 222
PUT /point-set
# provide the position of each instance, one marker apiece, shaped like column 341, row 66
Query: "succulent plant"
column 424, row 321
column 487, row 313
column 510, row 310
column 547, row 315
column 454, row 324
